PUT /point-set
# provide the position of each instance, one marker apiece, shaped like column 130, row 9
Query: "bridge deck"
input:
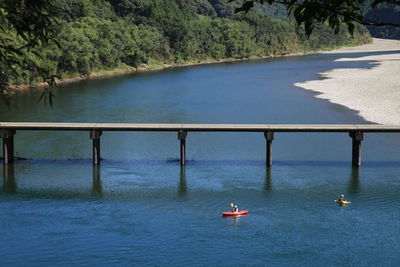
column 8, row 130
column 200, row 127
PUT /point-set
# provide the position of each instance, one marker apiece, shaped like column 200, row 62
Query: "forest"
column 100, row 35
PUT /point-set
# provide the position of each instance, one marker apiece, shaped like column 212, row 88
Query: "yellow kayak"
column 342, row 202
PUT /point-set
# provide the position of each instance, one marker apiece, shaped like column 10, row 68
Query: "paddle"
column 342, row 202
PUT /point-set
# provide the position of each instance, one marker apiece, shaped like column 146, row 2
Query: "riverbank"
column 151, row 67
column 374, row 92
column 157, row 67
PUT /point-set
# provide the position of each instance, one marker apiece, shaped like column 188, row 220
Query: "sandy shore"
column 374, row 92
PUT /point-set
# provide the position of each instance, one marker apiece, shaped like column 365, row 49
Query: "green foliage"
column 71, row 10
column 125, row 8
column 223, row 8
column 23, row 26
column 386, row 13
column 311, row 13
column 201, row 7
column 105, row 35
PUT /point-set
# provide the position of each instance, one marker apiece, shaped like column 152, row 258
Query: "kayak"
column 237, row 213
column 342, row 202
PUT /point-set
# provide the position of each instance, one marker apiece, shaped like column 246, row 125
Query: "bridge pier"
column 182, row 137
column 269, row 136
column 356, row 148
column 95, row 136
column 8, row 145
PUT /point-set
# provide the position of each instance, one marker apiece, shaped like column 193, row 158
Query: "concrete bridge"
column 356, row 132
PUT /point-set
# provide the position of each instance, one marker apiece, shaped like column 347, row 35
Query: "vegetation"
column 387, row 13
column 23, row 25
column 93, row 35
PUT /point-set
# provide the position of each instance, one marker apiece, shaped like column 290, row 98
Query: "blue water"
column 141, row 208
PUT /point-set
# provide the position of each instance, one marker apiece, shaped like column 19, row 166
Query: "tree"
column 24, row 24
column 335, row 13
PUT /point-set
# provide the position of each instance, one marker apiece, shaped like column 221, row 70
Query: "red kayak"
column 237, row 213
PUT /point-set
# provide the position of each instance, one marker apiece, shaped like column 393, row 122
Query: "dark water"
column 141, row 208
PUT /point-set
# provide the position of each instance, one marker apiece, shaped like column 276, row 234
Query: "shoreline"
column 147, row 68
column 373, row 92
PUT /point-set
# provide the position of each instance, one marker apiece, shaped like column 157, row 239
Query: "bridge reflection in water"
column 10, row 181
column 97, row 190
column 182, row 188
column 268, row 179
column 354, row 184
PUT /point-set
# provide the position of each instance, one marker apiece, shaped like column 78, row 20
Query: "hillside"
column 388, row 14
column 100, row 35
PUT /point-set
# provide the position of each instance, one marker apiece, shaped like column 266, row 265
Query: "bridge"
column 95, row 130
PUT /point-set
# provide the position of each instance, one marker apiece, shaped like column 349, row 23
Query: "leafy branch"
column 30, row 24
column 333, row 12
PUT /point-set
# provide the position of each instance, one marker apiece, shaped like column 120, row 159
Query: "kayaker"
column 235, row 209
column 341, row 198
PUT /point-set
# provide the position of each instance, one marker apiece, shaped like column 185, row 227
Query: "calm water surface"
column 141, row 208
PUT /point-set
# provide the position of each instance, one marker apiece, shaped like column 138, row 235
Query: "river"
column 140, row 208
